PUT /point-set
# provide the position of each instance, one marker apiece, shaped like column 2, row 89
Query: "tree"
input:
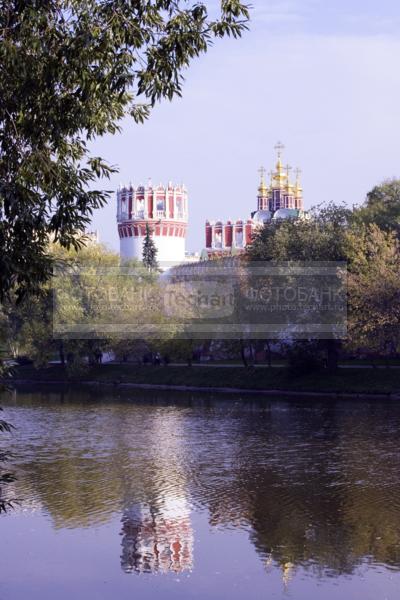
column 374, row 290
column 91, row 305
column 149, row 251
column 70, row 71
column 382, row 206
column 30, row 326
column 321, row 237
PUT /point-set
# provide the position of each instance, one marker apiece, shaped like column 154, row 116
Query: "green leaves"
column 70, row 71
column 382, row 206
column 5, row 477
column 319, row 237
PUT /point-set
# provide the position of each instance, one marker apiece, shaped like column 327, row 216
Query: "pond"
column 174, row 496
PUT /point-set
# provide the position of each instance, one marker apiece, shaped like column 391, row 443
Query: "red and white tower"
column 164, row 209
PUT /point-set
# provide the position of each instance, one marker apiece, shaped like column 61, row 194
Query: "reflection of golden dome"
column 287, row 572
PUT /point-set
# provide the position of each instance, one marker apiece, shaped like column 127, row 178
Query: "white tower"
column 164, row 209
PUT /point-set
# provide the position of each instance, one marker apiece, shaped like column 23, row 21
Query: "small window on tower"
column 239, row 239
column 160, row 205
column 179, row 208
column 140, row 207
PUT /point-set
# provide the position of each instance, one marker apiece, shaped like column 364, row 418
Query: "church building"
column 281, row 199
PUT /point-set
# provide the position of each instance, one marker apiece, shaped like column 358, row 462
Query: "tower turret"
column 298, row 192
column 262, row 198
column 164, row 209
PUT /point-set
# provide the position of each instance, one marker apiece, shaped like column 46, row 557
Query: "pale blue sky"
column 323, row 77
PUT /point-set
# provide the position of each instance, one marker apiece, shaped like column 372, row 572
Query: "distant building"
column 91, row 238
column 85, row 237
column 164, row 209
column 281, row 199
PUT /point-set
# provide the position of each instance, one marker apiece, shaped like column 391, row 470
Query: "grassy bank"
column 345, row 380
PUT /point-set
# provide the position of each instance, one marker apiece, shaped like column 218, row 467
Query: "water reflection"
column 157, row 534
column 157, row 540
column 316, row 487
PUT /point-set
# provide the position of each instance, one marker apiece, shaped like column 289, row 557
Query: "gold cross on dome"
column 279, row 148
column 262, row 172
column 298, row 173
column 288, row 169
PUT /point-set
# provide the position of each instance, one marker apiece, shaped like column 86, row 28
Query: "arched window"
column 123, row 205
column 160, row 206
column 140, row 207
column 239, row 236
column 179, row 208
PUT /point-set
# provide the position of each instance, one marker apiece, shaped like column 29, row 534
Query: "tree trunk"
column 332, row 351
column 252, row 353
column 61, row 353
column 243, row 354
column 269, row 358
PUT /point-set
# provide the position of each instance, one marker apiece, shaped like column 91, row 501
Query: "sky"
column 322, row 76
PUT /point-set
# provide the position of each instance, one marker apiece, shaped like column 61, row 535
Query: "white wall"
column 169, row 249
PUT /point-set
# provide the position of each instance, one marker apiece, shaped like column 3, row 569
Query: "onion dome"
column 286, row 213
column 262, row 216
column 262, row 188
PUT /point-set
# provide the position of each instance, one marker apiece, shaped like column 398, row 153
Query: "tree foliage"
column 382, row 207
column 319, row 237
column 5, row 477
column 367, row 241
column 374, row 290
column 91, row 305
column 70, row 71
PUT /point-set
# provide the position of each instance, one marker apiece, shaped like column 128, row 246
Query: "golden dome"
column 262, row 188
column 280, row 177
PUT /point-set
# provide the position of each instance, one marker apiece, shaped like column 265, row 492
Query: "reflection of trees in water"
column 315, row 486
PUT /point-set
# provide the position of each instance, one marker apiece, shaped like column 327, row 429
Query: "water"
column 182, row 496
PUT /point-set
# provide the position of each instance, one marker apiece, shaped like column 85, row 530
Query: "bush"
column 304, row 357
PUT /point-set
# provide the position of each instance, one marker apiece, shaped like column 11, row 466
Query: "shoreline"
column 344, row 383
column 207, row 389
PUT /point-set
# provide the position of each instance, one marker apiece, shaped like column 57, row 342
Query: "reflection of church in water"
column 157, row 540
column 157, row 533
